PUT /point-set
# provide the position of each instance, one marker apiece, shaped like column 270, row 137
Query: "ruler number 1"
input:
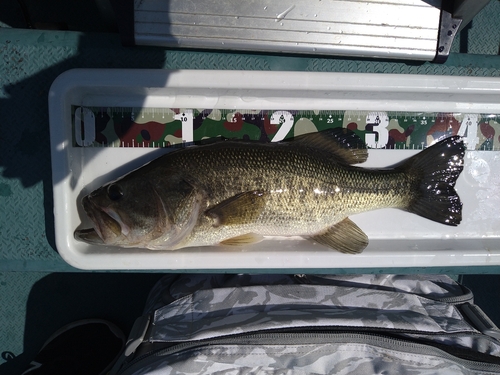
column 186, row 118
column 84, row 126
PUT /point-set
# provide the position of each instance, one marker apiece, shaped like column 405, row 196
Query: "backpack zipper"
column 262, row 338
column 466, row 297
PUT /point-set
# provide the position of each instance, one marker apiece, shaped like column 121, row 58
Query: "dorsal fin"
column 341, row 143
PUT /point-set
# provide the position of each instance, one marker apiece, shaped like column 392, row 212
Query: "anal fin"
column 345, row 237
column 245, row 239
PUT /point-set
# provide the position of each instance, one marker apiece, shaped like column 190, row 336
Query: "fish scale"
column 305, row 192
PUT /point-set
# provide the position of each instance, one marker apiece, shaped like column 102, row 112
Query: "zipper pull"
column 302, row 278
column 137, row 334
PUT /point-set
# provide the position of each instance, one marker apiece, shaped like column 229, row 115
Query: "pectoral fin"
column 345, row 237
column 245, row 239
column 243, row 208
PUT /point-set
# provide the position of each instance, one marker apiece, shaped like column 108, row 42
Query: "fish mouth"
column 107, row 224
column 88, row 235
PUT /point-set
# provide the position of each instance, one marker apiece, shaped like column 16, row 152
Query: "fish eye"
column 115, row 192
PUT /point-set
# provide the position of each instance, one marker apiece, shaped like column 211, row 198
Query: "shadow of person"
column 25, row 142
column 62, row 298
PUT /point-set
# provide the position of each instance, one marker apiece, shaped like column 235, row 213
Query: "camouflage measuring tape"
column 170, row 127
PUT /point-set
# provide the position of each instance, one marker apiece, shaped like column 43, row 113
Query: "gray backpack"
column 311, row 324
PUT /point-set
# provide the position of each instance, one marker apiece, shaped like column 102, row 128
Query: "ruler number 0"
column 84, row 126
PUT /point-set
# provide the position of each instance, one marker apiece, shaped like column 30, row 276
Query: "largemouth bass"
column 235, row 192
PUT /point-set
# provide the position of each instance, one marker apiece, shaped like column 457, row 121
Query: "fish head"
column 125, row 213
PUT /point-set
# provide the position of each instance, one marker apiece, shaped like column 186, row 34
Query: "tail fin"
column 434, row 172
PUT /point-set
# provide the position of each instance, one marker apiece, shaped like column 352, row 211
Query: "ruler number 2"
column 285, row 120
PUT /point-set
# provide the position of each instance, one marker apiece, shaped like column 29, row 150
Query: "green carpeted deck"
column 39, row 292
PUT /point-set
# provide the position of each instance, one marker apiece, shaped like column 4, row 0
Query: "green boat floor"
column 32, row 59
column 39, row 292
column 36, row 304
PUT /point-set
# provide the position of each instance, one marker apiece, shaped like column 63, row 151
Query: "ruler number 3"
column 380, row 122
